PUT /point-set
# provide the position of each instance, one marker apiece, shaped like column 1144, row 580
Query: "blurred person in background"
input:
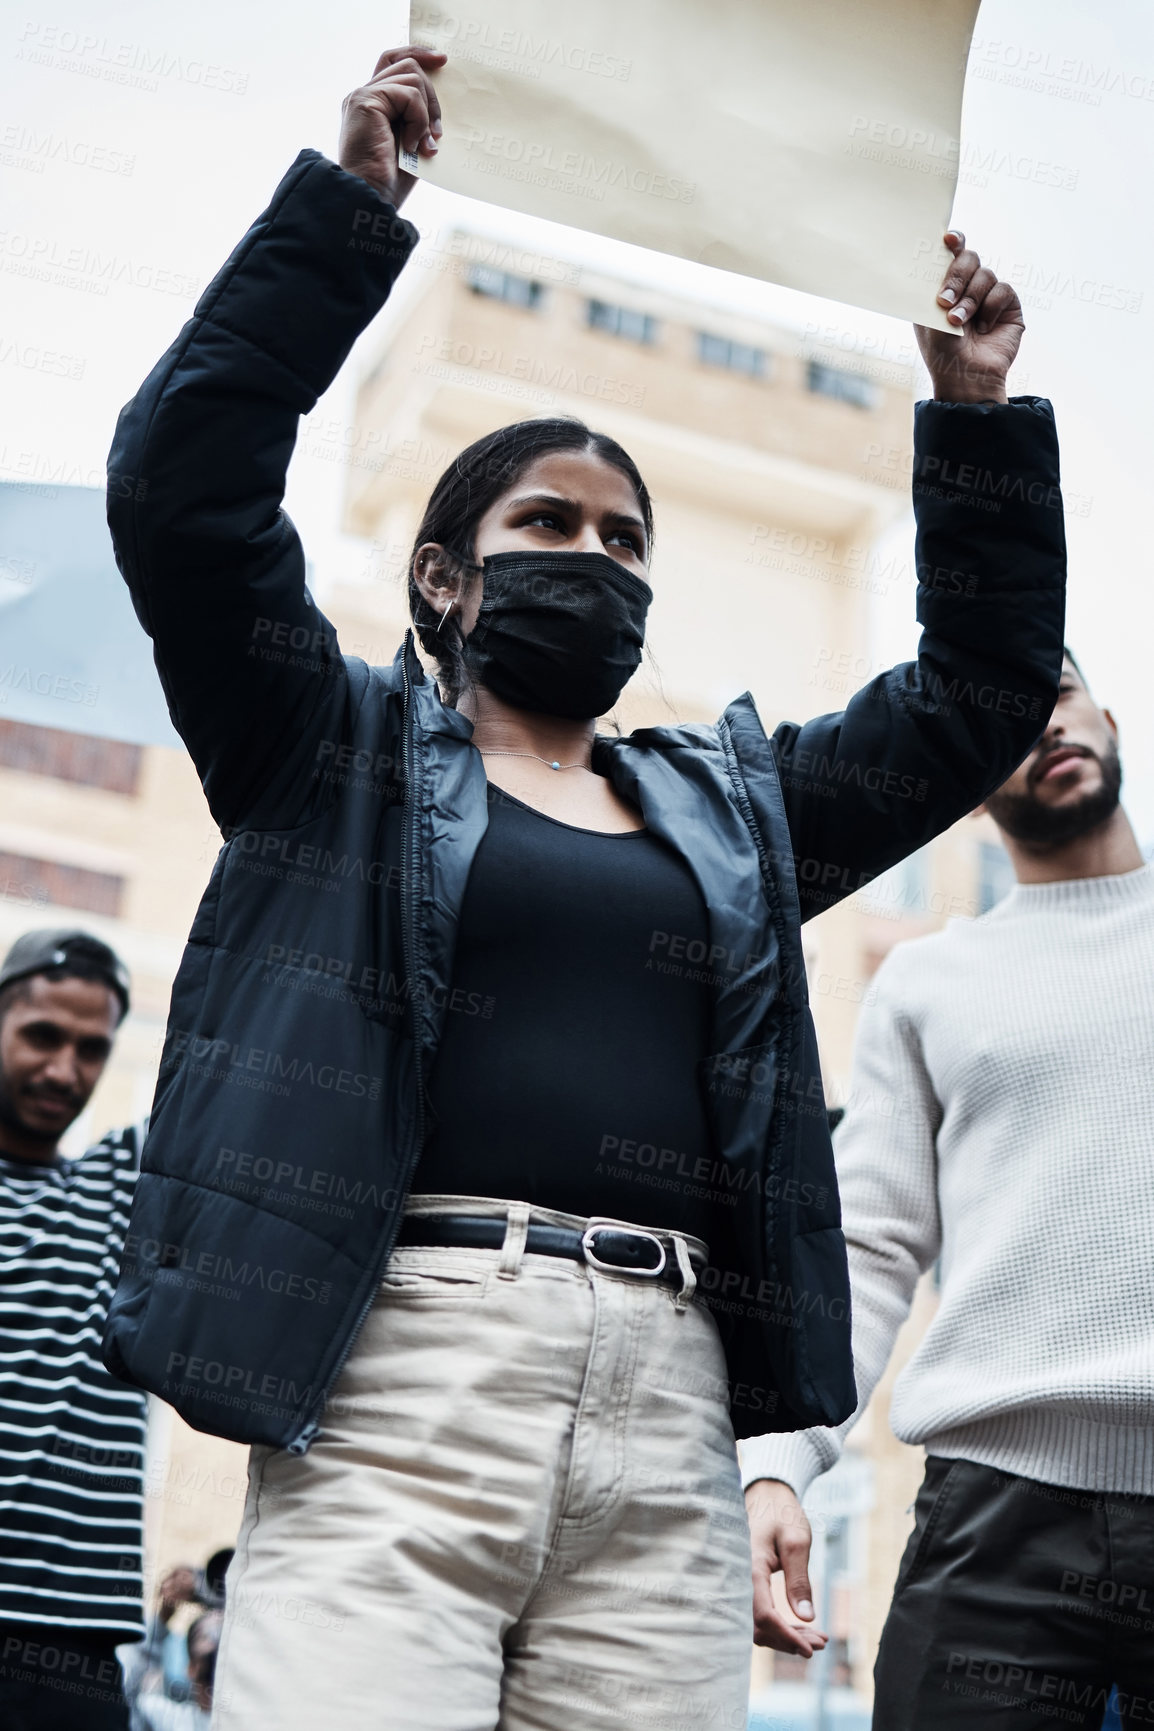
column 159, row 1663
column 160, row 1660
column 71, row 1434
column 156, row 1710
column 1001, row 1118
column 493, row 1427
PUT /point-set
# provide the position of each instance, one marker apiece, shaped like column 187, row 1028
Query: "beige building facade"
column 762, row 455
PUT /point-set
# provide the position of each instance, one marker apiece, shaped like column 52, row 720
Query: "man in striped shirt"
column 71, row 1436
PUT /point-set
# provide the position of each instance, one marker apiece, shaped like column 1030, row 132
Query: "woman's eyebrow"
column 572, row 505
column 624, row 517
column 545, row 499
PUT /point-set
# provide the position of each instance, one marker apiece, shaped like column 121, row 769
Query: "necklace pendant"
column 554, row 766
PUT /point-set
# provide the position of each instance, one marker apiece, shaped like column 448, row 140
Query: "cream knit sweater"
column 1002, row 1117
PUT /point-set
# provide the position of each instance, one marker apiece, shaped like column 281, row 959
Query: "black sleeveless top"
column 579, row 1013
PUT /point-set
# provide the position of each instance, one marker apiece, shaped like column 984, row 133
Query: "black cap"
column 44, row 951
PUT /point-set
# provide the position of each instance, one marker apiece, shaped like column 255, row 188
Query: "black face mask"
column 558, row 633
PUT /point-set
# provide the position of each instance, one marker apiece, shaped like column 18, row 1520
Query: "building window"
column 844, row 387
column 79, row 757
column 44, row 880
column 995, row 875
column 500, row 285
column 734, row 357
column 624, row 322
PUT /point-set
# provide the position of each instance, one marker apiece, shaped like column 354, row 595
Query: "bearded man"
column 1001, row 1122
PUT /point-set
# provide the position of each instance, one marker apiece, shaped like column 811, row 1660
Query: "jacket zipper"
column 411, row 850
column 778, row 918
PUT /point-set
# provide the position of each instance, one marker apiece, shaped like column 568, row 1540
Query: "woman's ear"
column 449, row 583
column 436, row 576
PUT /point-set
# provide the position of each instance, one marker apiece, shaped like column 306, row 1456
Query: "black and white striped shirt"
column 71, row 1436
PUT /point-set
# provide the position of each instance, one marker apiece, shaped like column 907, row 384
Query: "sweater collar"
column 1073, row 894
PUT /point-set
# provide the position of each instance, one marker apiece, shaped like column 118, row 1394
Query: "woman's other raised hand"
column 972, row 366
column 396, row 110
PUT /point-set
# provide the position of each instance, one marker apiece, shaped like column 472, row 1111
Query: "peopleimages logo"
column 139, row 64
column 727, row 1284
column 23, row 147
column 46, row 684
column 572, row 170
column 704, row 1170
column 215, row 1058
column 523, row 369
column 512, row 49
column 294, row 1181
column 236, row 1379
column 283, row 850
column 214, row 1265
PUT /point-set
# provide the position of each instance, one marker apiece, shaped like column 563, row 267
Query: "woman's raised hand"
column 972, row 367
column 396, row 110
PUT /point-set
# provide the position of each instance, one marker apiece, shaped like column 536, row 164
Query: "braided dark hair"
column 469, row 486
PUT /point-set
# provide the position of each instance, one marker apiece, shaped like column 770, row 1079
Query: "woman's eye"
column 546, row 519
column 627, row 540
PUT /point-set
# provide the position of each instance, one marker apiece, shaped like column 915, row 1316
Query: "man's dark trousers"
column 1018, row 1605
column 59, row 1679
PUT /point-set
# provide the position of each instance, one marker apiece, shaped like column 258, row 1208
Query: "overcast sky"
column 164, row 173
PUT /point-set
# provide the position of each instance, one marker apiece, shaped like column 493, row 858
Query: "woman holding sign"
column 439, row 1019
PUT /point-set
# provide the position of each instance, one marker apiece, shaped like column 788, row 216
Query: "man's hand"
column 398, row 107
column 972, row 367
column 781, row 1539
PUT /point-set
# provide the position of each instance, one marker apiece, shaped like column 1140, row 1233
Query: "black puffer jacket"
column 308, row 1008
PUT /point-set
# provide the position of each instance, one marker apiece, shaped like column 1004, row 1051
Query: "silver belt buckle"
column 594, row 1261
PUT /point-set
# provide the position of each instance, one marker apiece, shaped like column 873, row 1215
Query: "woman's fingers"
column 976, row 290
column 407, row 105
column 395, row 61
column 957, row 278
column 408, row 98
column 969, row 363
column 1002, row 301
column 971, row 291
column 396, row 111
column 411, row 51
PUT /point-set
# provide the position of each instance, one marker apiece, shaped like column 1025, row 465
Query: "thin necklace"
column 549, row 762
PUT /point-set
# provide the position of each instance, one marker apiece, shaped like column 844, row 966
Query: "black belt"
column 620, row 1249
